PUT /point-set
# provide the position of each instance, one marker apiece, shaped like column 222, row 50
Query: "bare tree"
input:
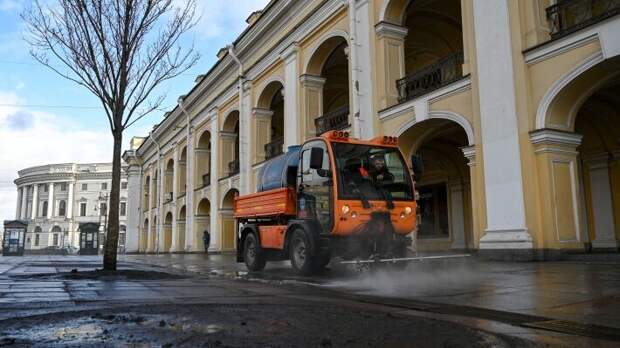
column 120, row 50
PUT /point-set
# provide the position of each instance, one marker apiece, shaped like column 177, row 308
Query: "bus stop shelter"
column 14, row 238
column 89, row 238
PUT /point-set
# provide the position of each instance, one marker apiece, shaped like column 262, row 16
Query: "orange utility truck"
column 332, row 196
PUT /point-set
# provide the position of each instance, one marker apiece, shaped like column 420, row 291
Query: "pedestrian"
column 206, row 238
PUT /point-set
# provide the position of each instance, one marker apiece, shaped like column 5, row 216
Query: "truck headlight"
column 345, row 209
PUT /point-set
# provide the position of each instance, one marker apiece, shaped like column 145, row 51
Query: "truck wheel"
column 300, row 253
column 252, row 255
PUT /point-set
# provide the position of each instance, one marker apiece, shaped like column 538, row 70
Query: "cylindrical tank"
column 279, row 171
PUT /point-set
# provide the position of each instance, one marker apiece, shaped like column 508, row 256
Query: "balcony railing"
column 206, row 179
column 274, row 148
column 568, row 16
column 233, row 167
column 333, row 120
column 430, row 78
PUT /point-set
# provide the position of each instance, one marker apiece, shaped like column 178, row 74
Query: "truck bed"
column 276, row 202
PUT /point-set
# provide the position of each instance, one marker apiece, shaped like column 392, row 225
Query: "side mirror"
column 417, row 165
column 316, row 158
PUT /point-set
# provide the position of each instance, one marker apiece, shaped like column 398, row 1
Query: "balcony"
column 233, row 167
column 437, row 75
column 274, row 148
column 334, row 120
column 206, row 180
column 568, row 16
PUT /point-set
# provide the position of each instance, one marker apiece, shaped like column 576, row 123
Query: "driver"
column 378, row 171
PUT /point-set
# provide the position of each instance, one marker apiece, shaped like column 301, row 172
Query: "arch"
column 321, row 51
column 62, row 208
column 203, row 208
column 182, row 214
column 183, row 155
column 229, row 199
column 393, row 11
column 170, row 165
column 38, row 229
column 267, row 91
column 168, row 219
column 560, row 84
column 56, row 229
column 447, row 115
column 204, row 141
column 231, row 121
column 168, row 180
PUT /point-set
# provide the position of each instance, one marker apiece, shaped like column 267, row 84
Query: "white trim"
column 265, row 84
column 556, row 87
column 550, row 136
column 387, row 29
column 384, row 9
column 334, row 33
column 446, row 115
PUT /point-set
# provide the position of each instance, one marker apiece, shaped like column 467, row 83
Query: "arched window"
column 44, row 209
column 62, row 208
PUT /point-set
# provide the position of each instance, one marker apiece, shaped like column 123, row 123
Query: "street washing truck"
column 333, row 196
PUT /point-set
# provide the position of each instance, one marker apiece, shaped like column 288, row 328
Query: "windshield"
column 371, row 173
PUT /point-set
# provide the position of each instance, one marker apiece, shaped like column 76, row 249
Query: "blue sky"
column 47, row 119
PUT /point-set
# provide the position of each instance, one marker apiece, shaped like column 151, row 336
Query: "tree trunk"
column 111, row 241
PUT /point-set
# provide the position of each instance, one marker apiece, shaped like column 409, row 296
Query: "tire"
column 299, row 253
column 252, row 255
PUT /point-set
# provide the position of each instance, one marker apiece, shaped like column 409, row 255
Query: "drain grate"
column 574, row 328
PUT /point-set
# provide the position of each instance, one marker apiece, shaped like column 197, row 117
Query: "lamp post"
column 103, row 198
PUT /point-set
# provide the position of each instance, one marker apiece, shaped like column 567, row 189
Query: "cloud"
column 10, row 5
column 224, row 17
column 29, row 138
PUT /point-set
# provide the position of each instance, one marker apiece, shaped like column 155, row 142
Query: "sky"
column 46, row 119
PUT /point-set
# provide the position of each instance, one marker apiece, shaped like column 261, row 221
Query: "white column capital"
column 470, row 154
column 390, row 30
column 290, row 52
column 262, row 113
column 312, row 81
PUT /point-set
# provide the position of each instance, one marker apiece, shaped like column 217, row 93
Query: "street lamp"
column 103, row 198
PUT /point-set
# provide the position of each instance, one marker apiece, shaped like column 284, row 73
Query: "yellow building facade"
column 513, row 106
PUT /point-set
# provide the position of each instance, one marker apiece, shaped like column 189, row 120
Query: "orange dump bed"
column 276, row 202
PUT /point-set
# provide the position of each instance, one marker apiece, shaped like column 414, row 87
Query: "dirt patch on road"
column 101, row 275
column 247, row 325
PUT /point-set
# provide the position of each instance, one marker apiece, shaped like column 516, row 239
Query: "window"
column 63, row 186
column 123, row 208
column 104, row 186
column 55, row 240
column 45, row 188
column 36, row 239
column 124, row 185
column 62, row 208
column 44, row 209
column 84, row 187
column 103, row 208
column 83, row 209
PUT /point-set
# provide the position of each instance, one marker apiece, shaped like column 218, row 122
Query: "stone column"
column 70, row 200
column 602, row 203
column 175, row 193
column 23, row 213
column 159, row 246
column 149, row 233
column 361, row 38
column 262, row 135
column 392, row 49
column 189, row 194
column 35, row 201
column 557, row 169
column 291, row 113
column 50, row 200
column 18, row 206
column 245, row 138
column 214, row 226
column 506, row 234
column 476, row 204
column 312, row 90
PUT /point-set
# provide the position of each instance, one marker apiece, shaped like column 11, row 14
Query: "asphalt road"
column 215, row 303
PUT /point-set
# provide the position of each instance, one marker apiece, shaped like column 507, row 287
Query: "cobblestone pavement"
column 196, row 299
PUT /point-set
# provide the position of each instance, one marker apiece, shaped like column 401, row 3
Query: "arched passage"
column 181, row 229
column 229, row 149
column 167, row 233
column 578, row 158
column 182, row 176
column 229, row 225
column 269, row 120
column 202, row 169
column 202, row 221
column 445, row 192
column 168, row 181
column 145, row 193
column 422, row 44
column 326, row 87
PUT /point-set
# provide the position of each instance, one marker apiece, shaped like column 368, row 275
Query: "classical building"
column 55, row 199
column 512, row 104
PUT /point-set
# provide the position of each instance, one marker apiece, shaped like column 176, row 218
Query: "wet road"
column 190, row 300
column 580, row 291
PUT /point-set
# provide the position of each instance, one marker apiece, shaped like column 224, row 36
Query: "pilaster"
column 291, row 113
column 35, row 201
column 214, row 226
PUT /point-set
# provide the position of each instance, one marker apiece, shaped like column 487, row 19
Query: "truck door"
column 314, row 200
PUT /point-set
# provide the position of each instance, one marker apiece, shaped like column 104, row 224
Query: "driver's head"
column 378, row 161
